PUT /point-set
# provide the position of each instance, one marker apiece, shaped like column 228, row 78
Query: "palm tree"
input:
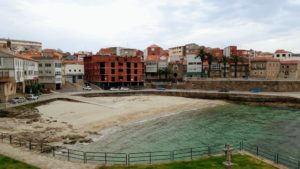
column 224, row 60
column 202, row 55
column 210, row 60
column 235, row 61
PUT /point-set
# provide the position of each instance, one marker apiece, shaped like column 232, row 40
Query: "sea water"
column 272, row 128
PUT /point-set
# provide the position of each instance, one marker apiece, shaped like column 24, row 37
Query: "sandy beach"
column 100, row 113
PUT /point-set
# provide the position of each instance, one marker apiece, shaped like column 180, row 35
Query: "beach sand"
column 99, row 113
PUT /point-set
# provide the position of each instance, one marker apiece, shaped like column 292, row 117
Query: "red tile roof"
column 281, row 51
column 72, row 62
column 288, row 62
column 154, row 46
column 265, row 59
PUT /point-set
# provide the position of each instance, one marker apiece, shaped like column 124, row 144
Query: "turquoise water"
column 274, row 128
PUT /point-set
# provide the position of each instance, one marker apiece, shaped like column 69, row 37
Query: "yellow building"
column 265, row 68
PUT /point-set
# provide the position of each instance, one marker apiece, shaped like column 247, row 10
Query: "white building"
column 22, row 45
column 283, row 55
column 72, row 71
column 50, row 73
column 15, row 73
column 194, row 66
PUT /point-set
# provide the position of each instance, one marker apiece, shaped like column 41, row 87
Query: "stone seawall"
column 238, row 85
column 255, row 98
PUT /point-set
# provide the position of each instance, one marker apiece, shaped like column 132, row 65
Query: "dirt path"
column 38, row 160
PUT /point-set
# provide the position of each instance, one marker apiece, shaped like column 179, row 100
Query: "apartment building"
column 113, row 71
column 72, row 71
column 177, row 53
column 21, row 46
column 50, row 73
column 289, row 69
column 264, row 68
column 194, row 66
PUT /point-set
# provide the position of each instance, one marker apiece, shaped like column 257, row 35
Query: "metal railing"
column 147, row 157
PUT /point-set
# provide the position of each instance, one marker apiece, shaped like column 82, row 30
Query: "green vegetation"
column 240, row 161
column 8, row 163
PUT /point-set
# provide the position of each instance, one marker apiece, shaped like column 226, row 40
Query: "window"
column 120, row 64
column 135, row 71
column 70, row 70
column 120, row 70
column 79, row 70
column 57, row 65
column 40, row 65
column 74, row 70
column 47, row 64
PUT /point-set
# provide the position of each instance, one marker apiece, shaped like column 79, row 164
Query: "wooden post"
column 20, row 142
column 53, row 151
column 298, row 164
column 68, row 155
column 126, row 159
column 41, row 147
column 257, row 150
column 208, row 151
column 84, row 157
column 191, row 153
column 150, row 160
column 30, row 145
column 2, row 137
column 105, row 158
column 10, row 139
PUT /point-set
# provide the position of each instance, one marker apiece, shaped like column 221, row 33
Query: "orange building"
column 112, row 71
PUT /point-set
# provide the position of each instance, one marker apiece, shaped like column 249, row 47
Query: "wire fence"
column 108, row 158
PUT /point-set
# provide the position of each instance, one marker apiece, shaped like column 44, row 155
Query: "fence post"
column 84, row 157
column 173, row 155
column 298, row 164
column 20, row 142
column 30, row 145
column 41, row 147
column 208, row 151
column 150, row 157
column 68, row 155
column 2, row 137
column 257, row 150
column 126, row 159
column 241, row 145
column 105, row 158
column 53, row 151
column 191, row 153
column 10, row 139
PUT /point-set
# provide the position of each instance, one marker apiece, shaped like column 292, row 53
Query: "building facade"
column 289, row 70
column 242, row 70
column 72, row 71
column 264, row 68
column 177, row 53
column 194, row 66
column 50, row 73
column 113, row 71
column 21, row 46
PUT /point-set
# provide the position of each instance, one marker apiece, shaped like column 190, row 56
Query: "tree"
column 210, row 60
column 224, row 60
column 202, row 55
column 235, row 61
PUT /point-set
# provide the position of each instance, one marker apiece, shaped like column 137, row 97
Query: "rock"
column 86, row 140
column 70, row 142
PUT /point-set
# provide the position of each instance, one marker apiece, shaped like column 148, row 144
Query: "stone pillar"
column 228, row 155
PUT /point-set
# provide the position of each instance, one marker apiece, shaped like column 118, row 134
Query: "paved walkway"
column 39, row 160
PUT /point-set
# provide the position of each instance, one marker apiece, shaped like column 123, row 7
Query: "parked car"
column 124, row 88
column 87, row 88
column 18, row 100
column 32, row 97
column 114, row 89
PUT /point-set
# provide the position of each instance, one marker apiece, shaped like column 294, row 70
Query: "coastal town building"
column 178, row 70
column 72, row 71
column 194, row 66
column 191, row 48
column 16, row 72
column 113, row 71
column 230, row 51
column 21, row 46
column 177, row 53
column 119, row 51
column 52, row 53
column 282, row 54
column 265, row 68
column 289, row 69
column 156, row 63
column 81, row 54
column 241, row 68
column 50, row 73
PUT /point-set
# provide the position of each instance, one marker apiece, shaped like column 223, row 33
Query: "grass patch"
column 240, row 161
column 8, row 163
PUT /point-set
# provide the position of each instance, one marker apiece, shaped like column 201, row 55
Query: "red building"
column 112, row 71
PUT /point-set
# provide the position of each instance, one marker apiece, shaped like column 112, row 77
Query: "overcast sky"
column 74, row 25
